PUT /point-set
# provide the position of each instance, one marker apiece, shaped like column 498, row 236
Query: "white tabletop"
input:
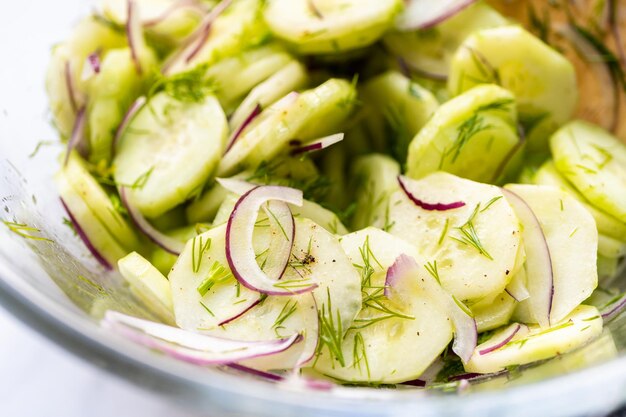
column 38, row 378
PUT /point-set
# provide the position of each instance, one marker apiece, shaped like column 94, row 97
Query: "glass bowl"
column 55, row 287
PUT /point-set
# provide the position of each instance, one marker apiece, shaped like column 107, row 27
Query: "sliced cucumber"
column 430, row 51
column 472, row 135
column 569, row 229
column 325, row 26
column 148, row 285
column 69, row 59
column 312, row 114
column 594, row 161
column 394, row 349
column 474, row 259
column 168, row 21
column 326, row 264
column 169, row 151
column 239, row 27
column 99, row 202
column 611, row 248
column 291, row 77
column 111, row 92
column 98, row 236
column 375, row 179
column 542, row 80
column 234, row 77
column 607, row 224
column 397, row 109
column 577, row 329
column 494, row 314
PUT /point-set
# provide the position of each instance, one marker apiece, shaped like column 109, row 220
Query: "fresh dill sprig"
column 293, row 284
column 465, row 132
column 444, row 232
column 469, row 236
column 217, row 275
column 367, row 270
column 485, row 68
column 25, row 231
column 40, row 144
column 287, row 311
column 330, row 332
column 190, row 86
column 539, row 25
column 67, row 222
column 198, row 247
column 207, row 309
column 490, row 203
column 280, row 226
column 359, row 354
column 432, row 269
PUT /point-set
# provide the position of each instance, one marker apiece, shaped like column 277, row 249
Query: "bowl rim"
column 194, row 386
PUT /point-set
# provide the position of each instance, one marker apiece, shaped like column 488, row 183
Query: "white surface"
column 37, row 379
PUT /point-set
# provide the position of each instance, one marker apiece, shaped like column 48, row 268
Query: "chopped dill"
column 490, row 203
column 293, row 284
column 433, row 271
column 359, row 354
column 366, row 269
column 25, row 231
column 67, row 222
column 280, row 226
column 198, row 247
column 287, row 311
column 444, row 232
column 190, row 86
column 217, row 274
column 207, row 309
column 40, row 144
column 330, row 332
column 470, row 237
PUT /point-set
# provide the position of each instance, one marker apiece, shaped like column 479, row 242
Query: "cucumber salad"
column 363, row 192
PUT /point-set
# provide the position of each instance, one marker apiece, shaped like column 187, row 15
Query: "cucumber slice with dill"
column 594, row 161
column 327, row 26
column 473, row 136
column 169, row 151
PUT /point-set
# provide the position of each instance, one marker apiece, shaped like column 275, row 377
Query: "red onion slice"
column 83, row 236
column 162, row 240
column 245, row 307
column 134, row 33
column 612, row 310
column 403, row 181
column 78, row 134
column 256, row 111
column 508, row 335
column 539, row 274
column 239, row 249
column 239, row 187
column 465, row 330
column 128, row 117
column 192, row 347
column 94, row 61
column 424, row 14
column 256, row 372
column 517, row 288
column 317, row 144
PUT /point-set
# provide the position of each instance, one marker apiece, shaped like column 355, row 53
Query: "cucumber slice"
column 169, row 151
column 497, row 313
column 326, row 264
column 111, row 92
column 375, row 179
column 542, row 80
column 611, row 248
column 99, row 202
column 397, row 109
column 594, row 161
column 89, row 36
column 470, row 268
column 472, row 135
column 239, row 27
column 430, row 51
column 326, row 26
column 312, row 114
column 234, row 77
column 98, row 235
column 291, row 77
column 167, row 21
column 577, row 329
column 569, row 229
column 607, row 224
column 148, row 285
column 393, row 349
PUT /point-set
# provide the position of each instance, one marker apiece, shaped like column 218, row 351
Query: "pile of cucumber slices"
column 340, row 191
